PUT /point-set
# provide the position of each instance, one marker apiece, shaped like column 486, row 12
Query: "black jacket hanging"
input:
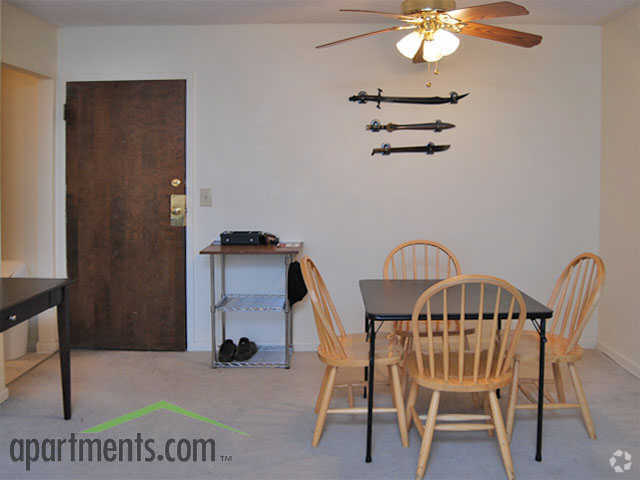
column 296, row 288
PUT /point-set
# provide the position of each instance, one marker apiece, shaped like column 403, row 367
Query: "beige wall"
column 619, row 329
column 27, row 170
column 31, row 45
column 28, row 42
column 273, row 135
column 4, row 392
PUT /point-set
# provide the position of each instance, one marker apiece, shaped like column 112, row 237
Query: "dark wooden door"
column 125, row 144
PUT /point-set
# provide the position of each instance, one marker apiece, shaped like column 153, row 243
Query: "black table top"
column 15, row 291
column 393, row 300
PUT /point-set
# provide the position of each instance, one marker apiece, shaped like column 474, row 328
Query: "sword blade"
column 363, row 97
column 429, row 149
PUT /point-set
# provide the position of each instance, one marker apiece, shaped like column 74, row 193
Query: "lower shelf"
column 267, row 356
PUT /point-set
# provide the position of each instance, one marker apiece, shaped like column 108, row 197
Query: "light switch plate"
column 205, row 197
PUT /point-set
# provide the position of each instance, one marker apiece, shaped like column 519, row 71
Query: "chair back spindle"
column 575, row 297
column 420, row 260
column 328, row 323
column 490, row 354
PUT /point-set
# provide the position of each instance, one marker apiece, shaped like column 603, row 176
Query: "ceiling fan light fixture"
column 447, row 41
column 408, row 45
column 432, row 51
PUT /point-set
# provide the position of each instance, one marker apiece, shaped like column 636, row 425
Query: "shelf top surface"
column 286, row 248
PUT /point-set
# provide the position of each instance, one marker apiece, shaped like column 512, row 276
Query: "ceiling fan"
column 434, row 24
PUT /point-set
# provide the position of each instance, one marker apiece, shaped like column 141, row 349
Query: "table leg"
column 212, row 308
column 499, row 329
column 543, row 341
column 366, row 369
column 288, row 336
column 64, row 340
column 223, row 293
column 372, row 356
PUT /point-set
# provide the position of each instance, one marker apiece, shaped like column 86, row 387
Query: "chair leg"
column 557, row 376
column 322, row 387
column 399, row 402
column 582, row 400
column 513, row 399
column 427, row 438
column 501, row 433
column 324, row 406
column 391, row 386
column 411, row 402
column 487, row 409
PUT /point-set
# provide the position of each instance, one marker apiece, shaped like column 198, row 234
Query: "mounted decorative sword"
column 429, row 149
column 437, row 126
column 363, row 97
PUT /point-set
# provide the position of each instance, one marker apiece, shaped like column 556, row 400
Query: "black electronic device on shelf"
column 248, row 238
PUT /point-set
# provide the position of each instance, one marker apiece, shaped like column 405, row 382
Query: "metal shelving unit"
column 275, row 356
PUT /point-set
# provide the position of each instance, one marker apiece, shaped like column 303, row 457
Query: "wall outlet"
column 205, row 197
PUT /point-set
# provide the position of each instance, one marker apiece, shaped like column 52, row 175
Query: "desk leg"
column 543, row 341
column 372, row 356
column 64, row 340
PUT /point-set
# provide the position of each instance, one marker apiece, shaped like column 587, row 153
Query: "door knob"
column 176, row 182
column 176, row 211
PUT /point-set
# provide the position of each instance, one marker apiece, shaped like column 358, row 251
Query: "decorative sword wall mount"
column 429, row 149
column 363, row 97
column 437, row 126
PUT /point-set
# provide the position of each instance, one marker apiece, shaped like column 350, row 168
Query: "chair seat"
column 529, row 348
column 453, row 384
column 356, row 347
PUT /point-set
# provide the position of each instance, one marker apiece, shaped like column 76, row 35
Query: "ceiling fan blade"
column 491, row 10
column 397, row 16
column 369, row 34
column 499, row 34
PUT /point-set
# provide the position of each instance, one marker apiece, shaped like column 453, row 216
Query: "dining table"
column 393, row 301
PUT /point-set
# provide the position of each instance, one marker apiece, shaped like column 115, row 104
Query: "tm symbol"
column 225, row 458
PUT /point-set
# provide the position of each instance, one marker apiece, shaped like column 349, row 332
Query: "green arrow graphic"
column 162, row 405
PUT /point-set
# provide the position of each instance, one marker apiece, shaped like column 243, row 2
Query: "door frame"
column 60, row 188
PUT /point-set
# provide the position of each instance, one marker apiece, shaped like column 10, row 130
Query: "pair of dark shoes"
column 243, row 352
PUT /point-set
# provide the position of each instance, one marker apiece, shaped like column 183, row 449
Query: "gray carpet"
column 276, row 408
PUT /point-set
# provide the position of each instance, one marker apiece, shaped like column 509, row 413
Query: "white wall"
column 283, row 150
column 619, row 332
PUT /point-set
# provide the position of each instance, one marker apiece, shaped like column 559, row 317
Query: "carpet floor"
column 275, row 408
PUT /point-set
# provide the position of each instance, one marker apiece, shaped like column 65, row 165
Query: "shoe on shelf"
column 227, row 351
column 246, row 349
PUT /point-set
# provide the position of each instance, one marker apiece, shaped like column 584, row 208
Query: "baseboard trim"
column 625, row 362
column 4, row 393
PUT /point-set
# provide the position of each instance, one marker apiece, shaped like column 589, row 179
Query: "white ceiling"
column 208, row 12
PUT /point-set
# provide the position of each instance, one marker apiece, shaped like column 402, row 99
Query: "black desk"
column 23, row 298
column 393, row 300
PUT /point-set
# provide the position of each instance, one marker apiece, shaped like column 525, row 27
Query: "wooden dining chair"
column 338, row 349
column 449, row 367
column 420, row 260
column 573, row 301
